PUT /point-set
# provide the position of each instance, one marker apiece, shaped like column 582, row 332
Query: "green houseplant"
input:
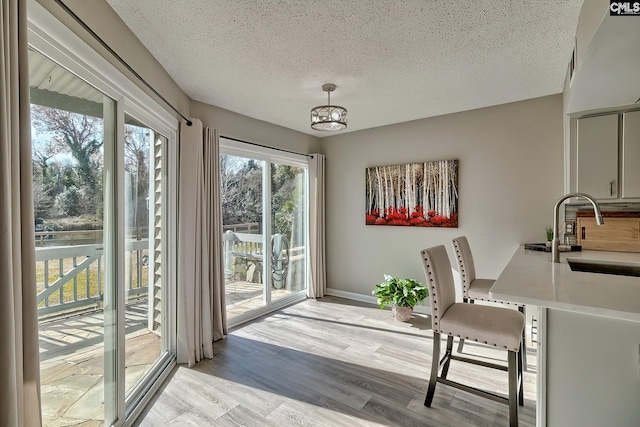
column 403, row 294
column 549, row 230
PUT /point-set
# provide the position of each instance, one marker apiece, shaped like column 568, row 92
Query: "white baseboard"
column 351, row 295
column 421, row 308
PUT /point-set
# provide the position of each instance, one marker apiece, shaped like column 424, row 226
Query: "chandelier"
column 328, row 117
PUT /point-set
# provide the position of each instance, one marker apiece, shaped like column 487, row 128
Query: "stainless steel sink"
column 604, row 267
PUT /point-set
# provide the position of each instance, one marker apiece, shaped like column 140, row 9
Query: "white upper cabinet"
column 630, row 173
column 597, row 152
column 607, row 156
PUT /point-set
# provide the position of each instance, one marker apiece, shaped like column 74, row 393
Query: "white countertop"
column 531, row 278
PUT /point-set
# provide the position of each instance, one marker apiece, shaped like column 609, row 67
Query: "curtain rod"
column 119, row 58
column 266, row 146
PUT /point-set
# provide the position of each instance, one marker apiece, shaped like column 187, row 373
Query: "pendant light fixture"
column 328, row 117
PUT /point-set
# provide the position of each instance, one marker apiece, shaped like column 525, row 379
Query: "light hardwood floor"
column 331, row 362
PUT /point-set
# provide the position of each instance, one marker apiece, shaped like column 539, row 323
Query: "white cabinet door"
column 631, row 155
column 597, row 171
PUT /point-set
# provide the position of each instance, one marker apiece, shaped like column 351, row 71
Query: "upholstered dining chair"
column 493, row 326
column 478, row 289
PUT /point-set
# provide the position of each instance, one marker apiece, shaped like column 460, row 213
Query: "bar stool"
column 478, row 289
column 494, row 326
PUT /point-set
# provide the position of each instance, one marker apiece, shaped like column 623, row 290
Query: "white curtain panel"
column 19, row 352
column 201, row 305
column 195, row 339
column 213, row 204
column 318, row 285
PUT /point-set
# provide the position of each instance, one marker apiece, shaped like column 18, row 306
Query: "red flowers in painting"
column 418, row 221
column 401, row 216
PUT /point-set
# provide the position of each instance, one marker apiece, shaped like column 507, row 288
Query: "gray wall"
column 234, row 125
column 510, row 174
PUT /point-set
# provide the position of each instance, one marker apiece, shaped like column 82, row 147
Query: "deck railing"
column 72, row 277
column 248, row 248
column 247, row 227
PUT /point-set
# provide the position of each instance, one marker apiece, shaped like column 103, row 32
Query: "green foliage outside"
column 68, row 202
column 241, row 193
column 68, row 164
column 286, row 199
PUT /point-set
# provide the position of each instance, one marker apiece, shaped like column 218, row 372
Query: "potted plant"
column 403, row 294
column 549, row 231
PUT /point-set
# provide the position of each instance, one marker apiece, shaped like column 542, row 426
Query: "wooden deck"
column 245, row 296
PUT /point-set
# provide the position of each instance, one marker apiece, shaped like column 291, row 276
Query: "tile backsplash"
column 570, row 210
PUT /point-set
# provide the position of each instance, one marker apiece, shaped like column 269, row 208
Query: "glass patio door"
column 104, row 203
column 288, row 230
column 242, row 191
column 74, row 163
column 265, row 222
column 147, row 299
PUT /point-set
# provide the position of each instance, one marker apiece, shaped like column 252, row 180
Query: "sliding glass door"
column 288, row 230
column 146, row 237
column 242, row 205
column 265, row 217
column 104, row 204
column 73, row 143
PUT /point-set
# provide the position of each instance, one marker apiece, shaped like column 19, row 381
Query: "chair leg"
column 435, row 365
column 447, row 357
column 513, row 388
column 520, row 377
column 461, row 342
column 521, row 309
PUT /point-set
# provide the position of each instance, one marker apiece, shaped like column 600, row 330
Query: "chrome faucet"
column 555, row 253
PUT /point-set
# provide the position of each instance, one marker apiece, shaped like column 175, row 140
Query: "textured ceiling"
column 392, row 60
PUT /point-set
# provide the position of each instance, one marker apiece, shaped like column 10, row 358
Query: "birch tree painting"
column 414, row 194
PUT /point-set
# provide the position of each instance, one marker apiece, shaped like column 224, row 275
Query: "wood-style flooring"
column 331, row 362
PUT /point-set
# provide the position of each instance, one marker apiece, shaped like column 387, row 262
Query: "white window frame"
column 54, row 40
column 269, row 156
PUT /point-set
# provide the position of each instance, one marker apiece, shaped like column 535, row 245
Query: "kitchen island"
column 588, row 336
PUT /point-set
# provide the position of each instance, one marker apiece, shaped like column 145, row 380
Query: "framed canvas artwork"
column 413, row 194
